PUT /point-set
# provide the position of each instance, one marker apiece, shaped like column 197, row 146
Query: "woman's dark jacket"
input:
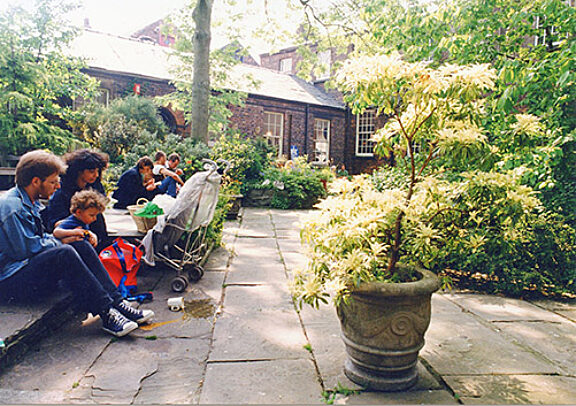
column 59, row 208
column 130, row 188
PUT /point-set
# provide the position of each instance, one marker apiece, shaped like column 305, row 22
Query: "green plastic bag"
column 149, row 211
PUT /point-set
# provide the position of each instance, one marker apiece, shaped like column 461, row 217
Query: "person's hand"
column 179, row 172
column 92, row 238
column 150, row 185
column 74, row 235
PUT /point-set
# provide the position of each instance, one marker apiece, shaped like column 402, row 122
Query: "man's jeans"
column 77, row 265
column 168, row 186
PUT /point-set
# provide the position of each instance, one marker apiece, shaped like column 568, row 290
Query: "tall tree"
column 202, row 16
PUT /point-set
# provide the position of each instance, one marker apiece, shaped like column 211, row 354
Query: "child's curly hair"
column 86, row 199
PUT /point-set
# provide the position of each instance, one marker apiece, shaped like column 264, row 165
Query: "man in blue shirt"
column 33, row 260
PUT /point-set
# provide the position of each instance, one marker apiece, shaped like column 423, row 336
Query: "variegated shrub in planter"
column 363, row 242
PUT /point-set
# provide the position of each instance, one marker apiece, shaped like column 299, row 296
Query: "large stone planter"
column 236, row 204
column 258, row 198
column 383, row 328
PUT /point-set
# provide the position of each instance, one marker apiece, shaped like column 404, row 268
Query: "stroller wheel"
column 179, row 284
column 195, row 272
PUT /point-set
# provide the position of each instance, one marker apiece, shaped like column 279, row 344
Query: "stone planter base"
column 383, row 326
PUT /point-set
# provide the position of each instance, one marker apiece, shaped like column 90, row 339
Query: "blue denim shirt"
column 21, row 233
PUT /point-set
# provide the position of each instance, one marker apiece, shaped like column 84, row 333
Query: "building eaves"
column 131, row 56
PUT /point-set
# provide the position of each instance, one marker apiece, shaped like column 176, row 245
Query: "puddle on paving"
column 198, row 309
column 195, row 309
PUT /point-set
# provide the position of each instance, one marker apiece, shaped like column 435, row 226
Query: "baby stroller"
column 190, row 216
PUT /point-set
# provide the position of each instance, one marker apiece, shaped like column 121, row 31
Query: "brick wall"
column 119, row 85
column 298, row 124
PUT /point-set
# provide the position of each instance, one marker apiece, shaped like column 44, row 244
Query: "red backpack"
column 122, row 259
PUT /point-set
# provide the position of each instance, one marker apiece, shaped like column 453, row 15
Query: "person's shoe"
column 131, row 313
column 116, row 324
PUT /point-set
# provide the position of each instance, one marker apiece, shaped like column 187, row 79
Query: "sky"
column 123, row 17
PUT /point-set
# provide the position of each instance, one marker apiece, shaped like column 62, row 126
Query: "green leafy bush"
column 489, row 233
column 249, row 157
column 296, row 185
column 115, row 129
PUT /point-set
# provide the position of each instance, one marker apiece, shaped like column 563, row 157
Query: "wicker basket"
column 143, row 224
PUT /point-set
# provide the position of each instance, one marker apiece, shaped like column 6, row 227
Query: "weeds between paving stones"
column 329, row 396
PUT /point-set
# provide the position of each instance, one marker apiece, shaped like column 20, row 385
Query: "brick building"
column 292, row 114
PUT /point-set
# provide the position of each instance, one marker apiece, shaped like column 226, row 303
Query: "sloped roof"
column 132, row 56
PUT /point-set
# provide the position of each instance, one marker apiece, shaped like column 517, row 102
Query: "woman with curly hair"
column 84, row 171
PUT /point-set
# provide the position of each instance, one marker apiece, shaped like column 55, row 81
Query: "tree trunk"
column 202, row 16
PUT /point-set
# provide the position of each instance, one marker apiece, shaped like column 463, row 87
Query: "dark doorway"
column 168, row 119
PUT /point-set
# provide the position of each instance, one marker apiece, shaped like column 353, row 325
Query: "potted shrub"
column 362, row 240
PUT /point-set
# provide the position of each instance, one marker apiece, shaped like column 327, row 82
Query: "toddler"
column 84, row 206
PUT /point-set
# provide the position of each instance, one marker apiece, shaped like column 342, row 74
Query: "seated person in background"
column 85, row 207
column 167, row 181
column 135, row 183
column 32, row 261
column 173, row 162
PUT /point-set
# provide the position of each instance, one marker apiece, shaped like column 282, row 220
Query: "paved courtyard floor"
column 240, row 340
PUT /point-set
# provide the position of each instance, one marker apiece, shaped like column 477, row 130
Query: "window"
column 321, row 141
column 103, row 97
column 364, row 131
column 286, row 65
column 324, row 65
column 274, row 129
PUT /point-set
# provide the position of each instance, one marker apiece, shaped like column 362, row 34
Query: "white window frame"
column 285, row 65
column 365, row 129
column 103, row 98
column 274, row 130
column 321, row 137
column 324, row 64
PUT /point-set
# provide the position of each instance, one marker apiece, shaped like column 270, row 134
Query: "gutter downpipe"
column 306, row 130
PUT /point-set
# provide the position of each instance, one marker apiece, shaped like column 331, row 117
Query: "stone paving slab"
column 555, row 341
column 71, row 349
column 246, row 300
column 260, row 266
column 496, row 308
column 288, row 233
column 181, row 365
column 17, row 397
column 218, row 260
column 294, row 261
column 254, row 247
column 565, row 309
column 290, row 245
column 270, row 334
column 514, row 389
column 413, row 397
column 263, row 382
column 471, row 346
column 257, row 230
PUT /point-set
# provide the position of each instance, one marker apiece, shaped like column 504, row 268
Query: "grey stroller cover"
column 194, row 207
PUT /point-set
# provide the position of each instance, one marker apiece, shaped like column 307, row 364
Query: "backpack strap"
column 120, row 255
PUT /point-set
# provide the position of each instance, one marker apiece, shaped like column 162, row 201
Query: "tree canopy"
column 38, row 81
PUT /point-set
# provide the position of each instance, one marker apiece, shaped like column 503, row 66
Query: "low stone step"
column 22, row 325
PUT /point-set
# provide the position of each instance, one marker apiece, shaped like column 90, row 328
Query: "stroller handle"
column 226, row 163
column 212, row 166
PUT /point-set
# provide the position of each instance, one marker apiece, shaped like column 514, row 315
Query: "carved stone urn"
column 383, row 326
